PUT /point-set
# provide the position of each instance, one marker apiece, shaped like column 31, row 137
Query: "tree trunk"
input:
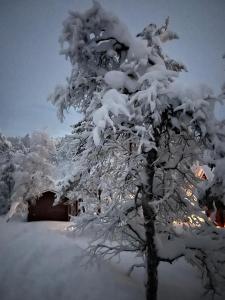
column 149, row 216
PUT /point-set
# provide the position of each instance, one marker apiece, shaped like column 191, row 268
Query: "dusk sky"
column 30, row 64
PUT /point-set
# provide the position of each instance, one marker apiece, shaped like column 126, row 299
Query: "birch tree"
column 136, row 146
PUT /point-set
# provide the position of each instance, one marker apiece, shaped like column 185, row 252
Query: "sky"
column 30, row 64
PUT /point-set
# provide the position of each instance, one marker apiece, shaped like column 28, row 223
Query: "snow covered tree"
column 65, row 152
column 34, row 169
column 212, row 193
column 6, row 174
column 137, row 144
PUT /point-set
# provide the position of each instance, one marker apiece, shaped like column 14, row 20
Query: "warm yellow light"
column 189, row 193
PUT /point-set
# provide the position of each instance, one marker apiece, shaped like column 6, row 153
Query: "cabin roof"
column 63, row 199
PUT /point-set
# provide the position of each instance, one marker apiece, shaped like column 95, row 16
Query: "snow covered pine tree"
column 137, row 143
column 6, row 174
column 34, row 161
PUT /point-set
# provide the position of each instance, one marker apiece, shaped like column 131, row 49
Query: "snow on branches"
column 27, row 167
column 139, row 140
column 6, row 171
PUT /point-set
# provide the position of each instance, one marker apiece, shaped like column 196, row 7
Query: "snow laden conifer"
column 34, row 172
column 137, row 143
column 6, row 173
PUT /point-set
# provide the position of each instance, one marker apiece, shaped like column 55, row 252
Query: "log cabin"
column 42, row 208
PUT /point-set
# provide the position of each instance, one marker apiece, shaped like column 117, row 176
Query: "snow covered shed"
column 43, row 209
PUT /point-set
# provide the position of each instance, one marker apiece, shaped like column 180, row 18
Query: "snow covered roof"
column 57, row 200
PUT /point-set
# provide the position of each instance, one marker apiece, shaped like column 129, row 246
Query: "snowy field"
column 41, row 261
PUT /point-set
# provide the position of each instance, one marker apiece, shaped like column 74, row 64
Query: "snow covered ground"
column 41, row 261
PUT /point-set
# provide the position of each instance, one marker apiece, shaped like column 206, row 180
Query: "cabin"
column 42, row 208
column 216, row 211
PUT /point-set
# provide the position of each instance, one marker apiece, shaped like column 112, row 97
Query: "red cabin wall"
column 43, row 209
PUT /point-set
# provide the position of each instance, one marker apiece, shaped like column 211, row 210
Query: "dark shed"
column 42, row 208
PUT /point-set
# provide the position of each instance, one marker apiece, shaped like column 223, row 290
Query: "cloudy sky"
column 30, row 64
